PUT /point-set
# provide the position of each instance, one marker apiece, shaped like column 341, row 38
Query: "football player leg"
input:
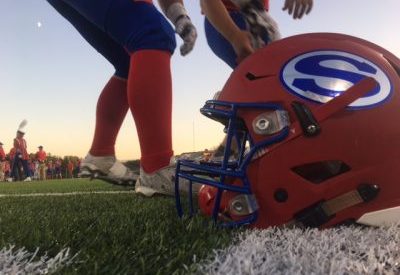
column 149, row 39
column 152, row 41
column 112, row 104
column 27, row 172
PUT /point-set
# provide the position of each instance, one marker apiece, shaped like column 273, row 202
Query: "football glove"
column 259, row 21
column 183, row 27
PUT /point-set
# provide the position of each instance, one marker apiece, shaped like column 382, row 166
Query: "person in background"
column 2, row 162
column 11, row 156
column 70, row 169
column 57, row 169
column 2, row 153
column 206, row 155
column 7, row 168
column 77, row 169
column 36, row 174
column 31, row 165
column 41, row 157
column 21, row 154
column 50, row 170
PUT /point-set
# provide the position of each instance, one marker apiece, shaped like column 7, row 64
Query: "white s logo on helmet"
column 320, row 76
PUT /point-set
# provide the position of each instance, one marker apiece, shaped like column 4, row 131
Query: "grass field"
column 109, row 233
column 89, row 227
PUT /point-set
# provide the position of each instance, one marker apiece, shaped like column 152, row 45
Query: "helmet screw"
column 262, row 124
column 311, row 129
column 238, row 206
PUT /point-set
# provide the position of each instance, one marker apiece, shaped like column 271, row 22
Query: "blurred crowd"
column 39, row 166
column 19, row 165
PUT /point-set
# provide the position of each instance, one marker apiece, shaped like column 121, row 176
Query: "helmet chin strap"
column 323, row 211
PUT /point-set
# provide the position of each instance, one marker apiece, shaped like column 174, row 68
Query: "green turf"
column 57, row 186
column 113, row 233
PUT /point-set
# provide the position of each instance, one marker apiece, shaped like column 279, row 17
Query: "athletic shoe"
column 161, row 182
column 107, row 168
column 9, row 179
column 28, row 179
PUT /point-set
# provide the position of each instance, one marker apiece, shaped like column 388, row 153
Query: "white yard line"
column 344, row 250
column 21, row 261
column 66, row 194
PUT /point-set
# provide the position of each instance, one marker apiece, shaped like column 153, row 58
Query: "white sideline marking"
column 342, row 250
column 20, row 261
column 66, row 194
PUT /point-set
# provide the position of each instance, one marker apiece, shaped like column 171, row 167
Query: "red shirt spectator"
column 2, row 153
column 12, row 153
column 70, row 166
column 41, row 155
column 20, row 145
column 7, row 167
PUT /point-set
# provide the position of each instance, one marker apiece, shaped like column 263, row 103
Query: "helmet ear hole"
column 281, row 195
column 318, row 172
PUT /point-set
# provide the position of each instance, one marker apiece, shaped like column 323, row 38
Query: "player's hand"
column 259, row 21
column 187, row 31
column 298, row 8
column 242, row 45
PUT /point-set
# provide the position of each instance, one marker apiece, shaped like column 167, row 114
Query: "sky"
column 52, row 77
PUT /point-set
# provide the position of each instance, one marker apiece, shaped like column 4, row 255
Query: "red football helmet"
column 315, row 118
